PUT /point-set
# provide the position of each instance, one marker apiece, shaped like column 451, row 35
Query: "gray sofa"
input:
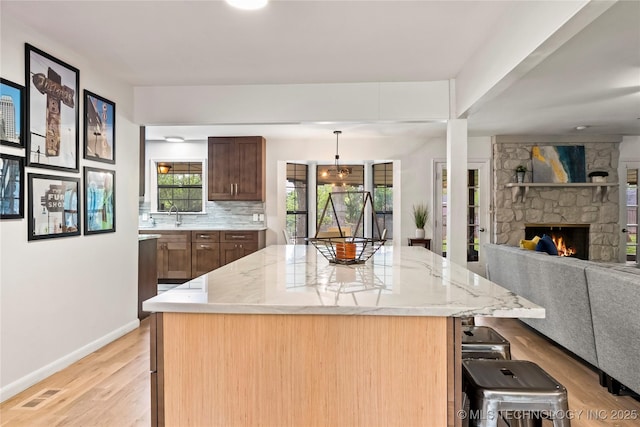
column 591, row 308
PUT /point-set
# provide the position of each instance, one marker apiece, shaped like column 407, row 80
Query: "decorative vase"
column 419, row 233
column 520, row 177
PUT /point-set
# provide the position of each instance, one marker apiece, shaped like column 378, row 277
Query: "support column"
column 457, row 191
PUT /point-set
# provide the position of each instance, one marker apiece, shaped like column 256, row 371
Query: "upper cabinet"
column 236, row 168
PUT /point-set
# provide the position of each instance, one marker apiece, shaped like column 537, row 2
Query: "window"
column 330, row 182
column 383, row 198
column 181, row 186
column 632, row 215
column 443, row 204
column 473, row 218
column 297, row 212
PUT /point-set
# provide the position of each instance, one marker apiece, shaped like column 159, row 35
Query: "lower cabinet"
column 189, row 254
column 147, row 273
column 205, row 252
column 174, row 255
column 236, row 244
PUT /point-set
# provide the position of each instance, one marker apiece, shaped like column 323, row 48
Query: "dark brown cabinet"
column 205, row 252
column 236, row 167
column 236, row 244
column 174, row 255
column 189, row 254
column 147, row 273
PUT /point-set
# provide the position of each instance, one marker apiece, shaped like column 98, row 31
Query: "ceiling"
column 593, row 79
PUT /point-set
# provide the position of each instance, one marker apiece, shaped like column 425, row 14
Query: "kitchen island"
column 284, row 338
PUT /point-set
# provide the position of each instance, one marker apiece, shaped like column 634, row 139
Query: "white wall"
column 352, row 102
column 630, row 148
column 176, row 151
column 61, row 299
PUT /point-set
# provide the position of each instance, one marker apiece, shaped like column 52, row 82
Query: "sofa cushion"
column 615, row 298
column 545, row 244
column 556, row 283
column 530, row 244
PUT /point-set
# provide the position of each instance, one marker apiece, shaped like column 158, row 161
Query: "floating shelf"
column 521, row 189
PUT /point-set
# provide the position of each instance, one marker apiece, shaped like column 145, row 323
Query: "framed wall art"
column 99, row 201
column 99, row 128
column 558, row 163
column 11, row 114
column 53, row 206
column 11, row 186
column 52, row 111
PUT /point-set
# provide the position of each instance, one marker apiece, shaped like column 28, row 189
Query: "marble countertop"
column 142, row 237
column 297, row 279
column 164, row 227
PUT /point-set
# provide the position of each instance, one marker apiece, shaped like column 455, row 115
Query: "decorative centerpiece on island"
column 420, row 218
column 521, row 170
column 339, row 236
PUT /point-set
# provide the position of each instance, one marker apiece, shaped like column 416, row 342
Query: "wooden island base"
column 304, row 370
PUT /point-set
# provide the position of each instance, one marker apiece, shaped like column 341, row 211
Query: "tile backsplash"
column 218, row 215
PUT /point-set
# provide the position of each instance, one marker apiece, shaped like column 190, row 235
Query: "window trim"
column 304, row 213
column 385, row 213
column 153, row 183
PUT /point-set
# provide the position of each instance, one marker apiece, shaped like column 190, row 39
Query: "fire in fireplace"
column 570, row 239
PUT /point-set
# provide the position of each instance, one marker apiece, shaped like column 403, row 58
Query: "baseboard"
column 27, row 381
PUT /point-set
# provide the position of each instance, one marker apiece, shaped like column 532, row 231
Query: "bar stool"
column 483, row 342
column 501, row 386
column 468, row 321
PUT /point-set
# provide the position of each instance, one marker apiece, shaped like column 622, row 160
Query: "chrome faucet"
column 178, row 222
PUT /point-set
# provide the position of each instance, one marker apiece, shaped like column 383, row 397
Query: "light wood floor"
column 111, row 386
column 582, row 384
column 107, row 388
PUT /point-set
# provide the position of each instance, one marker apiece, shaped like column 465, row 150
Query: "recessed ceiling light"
column 174, row 139
column 248, row 4
column 581, row 127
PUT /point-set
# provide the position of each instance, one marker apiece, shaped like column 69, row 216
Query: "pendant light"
column 163, row 168
column 337, row 170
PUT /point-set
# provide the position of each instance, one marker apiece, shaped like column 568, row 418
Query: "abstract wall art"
column 558, row 163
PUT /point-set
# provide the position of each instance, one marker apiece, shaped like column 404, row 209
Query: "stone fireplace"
column 557, row 205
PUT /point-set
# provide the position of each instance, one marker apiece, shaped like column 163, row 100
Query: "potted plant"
column 520, row 171
column 420, row 218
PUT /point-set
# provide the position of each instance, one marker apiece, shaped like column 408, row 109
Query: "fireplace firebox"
column 571, row 239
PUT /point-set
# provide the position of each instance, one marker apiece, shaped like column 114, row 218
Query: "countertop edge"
column 142, row 237
column 168, row 307
column 193, row 228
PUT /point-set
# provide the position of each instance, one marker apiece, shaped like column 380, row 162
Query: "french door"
column 477, row 207
column 630, row 212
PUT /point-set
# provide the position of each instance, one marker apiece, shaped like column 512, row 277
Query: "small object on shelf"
column 521, row 170
column 342, row 213
column 598, row 176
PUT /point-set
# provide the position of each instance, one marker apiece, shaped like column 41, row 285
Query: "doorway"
column 477, row 208
column 630, row 246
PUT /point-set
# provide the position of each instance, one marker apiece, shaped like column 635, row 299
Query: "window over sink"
column 179, row 184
